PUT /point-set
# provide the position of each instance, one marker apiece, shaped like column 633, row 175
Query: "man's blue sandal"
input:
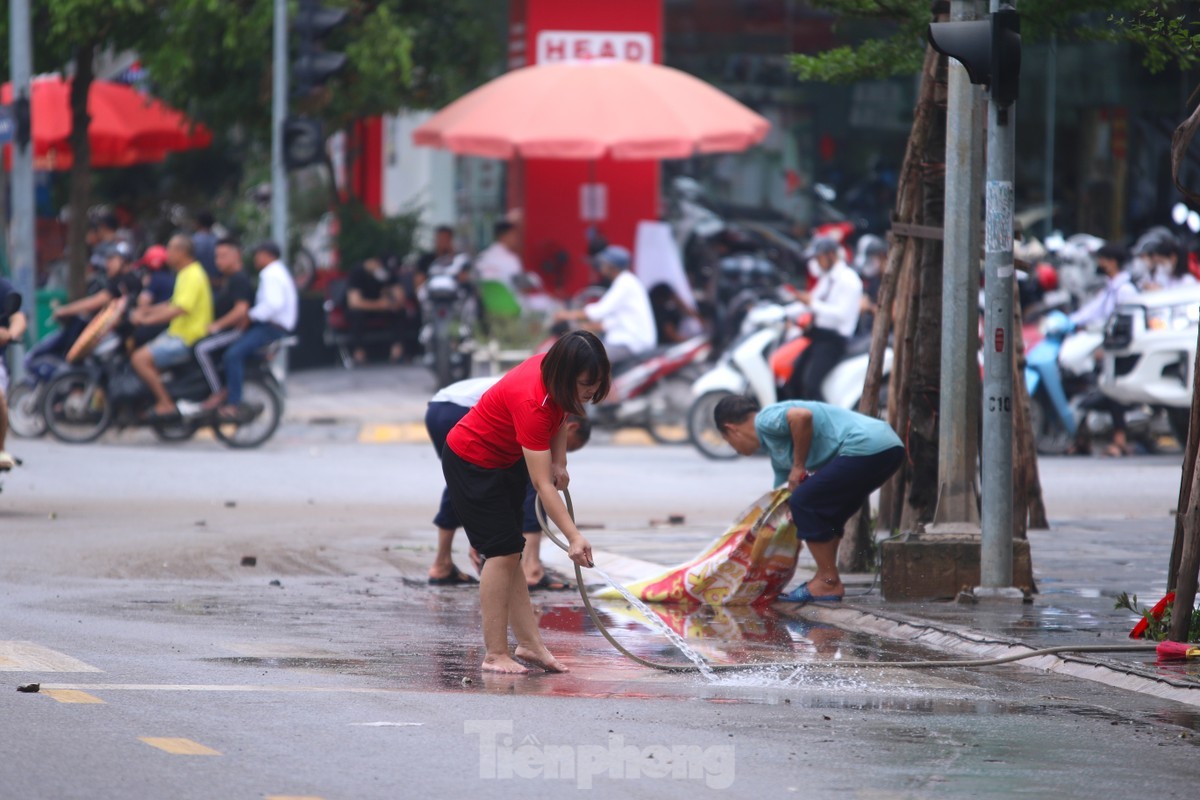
column 801, row 594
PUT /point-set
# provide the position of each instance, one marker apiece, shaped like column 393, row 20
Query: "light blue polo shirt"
column 836, row 432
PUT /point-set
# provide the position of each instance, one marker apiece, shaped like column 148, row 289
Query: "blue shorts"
column 168, row 351
column 825, row 502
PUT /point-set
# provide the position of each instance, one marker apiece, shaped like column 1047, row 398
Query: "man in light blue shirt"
column 830, row 458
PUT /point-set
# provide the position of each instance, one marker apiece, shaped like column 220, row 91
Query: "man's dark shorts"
column 489, row 502
column 823, row 504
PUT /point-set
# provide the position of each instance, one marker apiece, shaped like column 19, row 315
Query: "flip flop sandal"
column 801, row 594
column 455, row 578
column 548, row 585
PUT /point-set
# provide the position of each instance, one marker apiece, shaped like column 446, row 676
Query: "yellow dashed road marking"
column 30, row 657
column 72, row 696
column 179, row 747
column 393, row 434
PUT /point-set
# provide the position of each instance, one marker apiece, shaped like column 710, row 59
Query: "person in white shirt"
column 273, row 316
column 836, row 302
column 623, row 316
column 499, row 260
column 1095, row 313
column 1118, row 289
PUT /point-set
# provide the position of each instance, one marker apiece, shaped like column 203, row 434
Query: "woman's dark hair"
column 733, row 410
column 1113, row 253
column 1168, row 247
column 577, row 356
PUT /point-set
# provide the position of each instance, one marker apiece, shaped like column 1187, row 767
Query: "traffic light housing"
column 990, row 49
column 314, row 67
column 303, row 142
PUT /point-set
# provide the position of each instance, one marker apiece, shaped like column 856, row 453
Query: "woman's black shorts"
column 490, row 503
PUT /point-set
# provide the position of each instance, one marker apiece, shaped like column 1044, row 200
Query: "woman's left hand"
column 558, row 473
column 581, row 552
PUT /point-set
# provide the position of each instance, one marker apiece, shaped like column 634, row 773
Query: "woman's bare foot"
column 540, row 657
column 503, row 663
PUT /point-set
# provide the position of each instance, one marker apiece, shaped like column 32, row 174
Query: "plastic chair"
column 498, row 300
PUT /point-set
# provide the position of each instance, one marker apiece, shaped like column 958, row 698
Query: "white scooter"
column 745, row 368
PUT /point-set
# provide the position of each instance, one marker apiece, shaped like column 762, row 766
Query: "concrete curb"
column 977, row 644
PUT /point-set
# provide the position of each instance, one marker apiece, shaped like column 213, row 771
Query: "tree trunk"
column 1029, row 509
column 854, row 552
column 924, row 374
column 80, row 198
column 1185, row 484
column 1189, row 565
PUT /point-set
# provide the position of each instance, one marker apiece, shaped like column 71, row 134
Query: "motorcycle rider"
column 11, row 329
column 188, row 313
column 869, row 256
column 1170, row 269
column 119, row 281
column 231, row 306
column 273, row 316
column 836, row 302
column 1118, row 288
column 622, row 316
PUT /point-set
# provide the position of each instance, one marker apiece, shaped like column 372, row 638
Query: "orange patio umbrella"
column 587, row 110
column 126, row 128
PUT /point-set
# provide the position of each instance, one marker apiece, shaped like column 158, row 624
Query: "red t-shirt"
column 516, row 413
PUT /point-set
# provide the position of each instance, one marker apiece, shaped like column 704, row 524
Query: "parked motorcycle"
column 81, row 403
column 654, row 391
column 1060, row 375
column 449, row 310
column 745, row 368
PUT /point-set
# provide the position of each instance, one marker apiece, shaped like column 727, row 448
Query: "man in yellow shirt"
column 189, row 312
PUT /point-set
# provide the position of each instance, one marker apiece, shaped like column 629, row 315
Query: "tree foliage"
column 214, row 58
column 1159, row 27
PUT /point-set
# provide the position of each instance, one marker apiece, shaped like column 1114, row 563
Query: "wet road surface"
column 170, row 670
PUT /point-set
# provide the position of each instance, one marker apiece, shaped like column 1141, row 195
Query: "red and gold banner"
column 748, row 565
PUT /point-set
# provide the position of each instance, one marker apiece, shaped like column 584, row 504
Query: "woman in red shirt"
column 513, row 434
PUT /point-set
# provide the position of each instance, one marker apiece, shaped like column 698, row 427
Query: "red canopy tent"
column 126, row 128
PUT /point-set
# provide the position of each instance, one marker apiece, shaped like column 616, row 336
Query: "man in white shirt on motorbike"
column 273, row 316
column 623, row 317
column 836, row 302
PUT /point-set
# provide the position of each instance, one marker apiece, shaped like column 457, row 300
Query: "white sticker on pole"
column 1005, row 271
column 998, row 217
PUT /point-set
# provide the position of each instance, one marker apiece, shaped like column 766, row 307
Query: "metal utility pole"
column 996, row 561
column 22, row 235
column 279, row 173
column 279, row 105
column 958, row 412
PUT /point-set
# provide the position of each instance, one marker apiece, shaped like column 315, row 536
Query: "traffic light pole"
column 996, row 556
column 279, row 105
column 21, row 235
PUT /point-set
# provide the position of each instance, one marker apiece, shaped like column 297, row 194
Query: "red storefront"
column 561, row 200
